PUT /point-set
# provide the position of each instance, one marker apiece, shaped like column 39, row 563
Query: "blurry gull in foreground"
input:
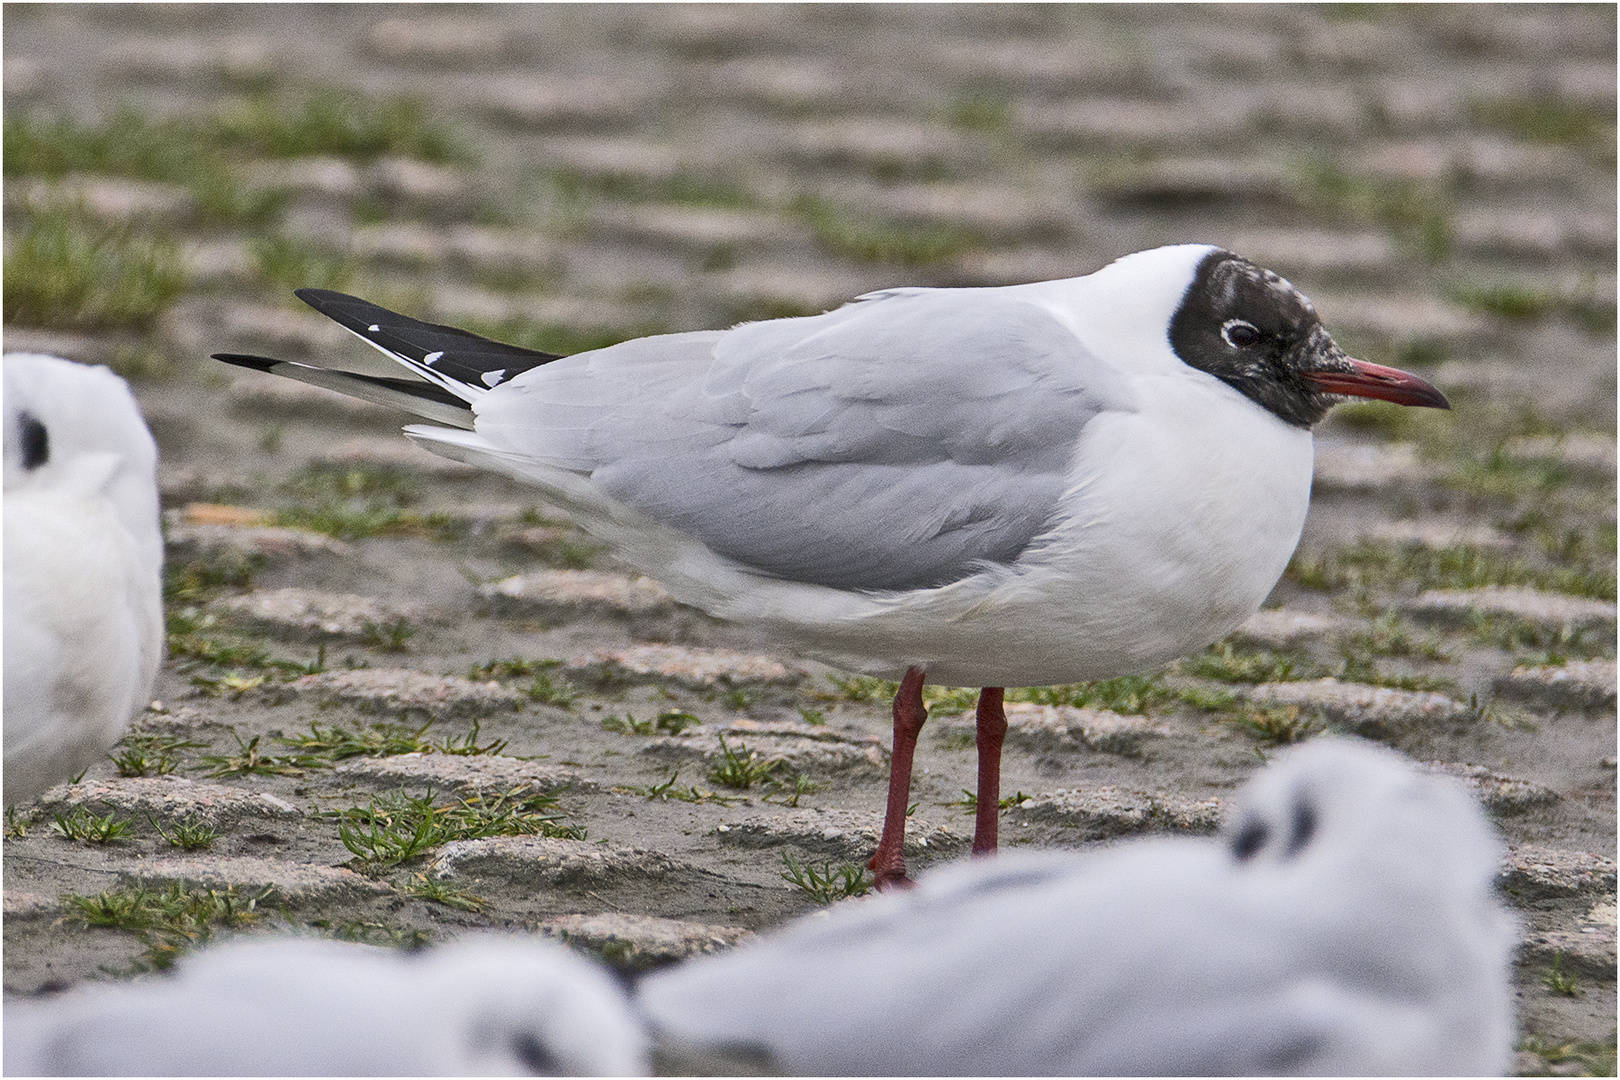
column 83, row 568
column 483, row 1006
column 988, row 487
column 1344, row 924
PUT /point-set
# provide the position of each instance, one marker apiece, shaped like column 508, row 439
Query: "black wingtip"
column 315, row 297
column 255, row 363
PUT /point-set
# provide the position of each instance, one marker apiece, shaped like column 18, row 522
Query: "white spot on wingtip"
column 373, row 328
column 493, row 377
column 432, row 357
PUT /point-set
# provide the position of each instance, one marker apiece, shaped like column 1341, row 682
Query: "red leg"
column 992, row 728
column 888, row 864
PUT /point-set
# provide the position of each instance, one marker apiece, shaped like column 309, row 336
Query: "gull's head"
column 534, row 1008
column 75, row 428
column 1354, row 805
column 1254, row 331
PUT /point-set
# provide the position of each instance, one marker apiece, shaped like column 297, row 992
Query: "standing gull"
column 1014, row 486
column 1345, row 924
column 83, row 568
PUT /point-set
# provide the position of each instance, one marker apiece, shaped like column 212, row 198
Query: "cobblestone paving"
column 406, row 699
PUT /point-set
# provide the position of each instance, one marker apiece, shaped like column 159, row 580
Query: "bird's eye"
column 1250, row 839
column 1239, row 333
column 36, row 442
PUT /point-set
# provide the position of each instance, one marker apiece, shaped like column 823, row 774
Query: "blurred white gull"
column 1344, row 924
column 484, row 1006
column 83, row 568
column 990, row 487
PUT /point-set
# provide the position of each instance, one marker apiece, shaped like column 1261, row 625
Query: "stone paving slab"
column 1281, row 627
column 690, row 666
column 832, row 833
column 1499, row 794
column 27, row 905
column 394, row 452
column 107, row 197
column 634, row 943
column 1579, row 684
column 800, row 747
column 697, row 229
column 1588, row 451
column 1537, row 872
column 1588, row 951
column 1399, row 320
column 403, row 692
column 573, row 592
column 272, row 543
column 1293, row 251
column 168, row 798
column 284, row 881
column 314, row 615
column 548, row 862
column 261, row 395
column 470, row 774
column 1043, row 728
column 1374, row 712
column 1434, row 533
column 1108, row 811
column 1459, row 607
column 1355, row 468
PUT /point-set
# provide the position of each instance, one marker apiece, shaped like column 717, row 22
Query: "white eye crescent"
column 1240, row 333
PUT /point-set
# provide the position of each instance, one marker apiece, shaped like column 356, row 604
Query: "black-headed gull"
column 1345, row 923
column 990, row 487
column 83, row 568
column 488, row 1005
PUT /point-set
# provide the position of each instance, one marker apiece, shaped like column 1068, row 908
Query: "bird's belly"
column 1169, row 537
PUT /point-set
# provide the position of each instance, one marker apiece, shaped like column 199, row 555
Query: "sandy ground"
column 1440, row 181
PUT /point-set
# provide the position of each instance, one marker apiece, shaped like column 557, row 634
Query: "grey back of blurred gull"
column 485, row 1006
column 1345, row 923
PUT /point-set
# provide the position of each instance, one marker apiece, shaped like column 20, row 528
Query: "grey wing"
column 902, row 442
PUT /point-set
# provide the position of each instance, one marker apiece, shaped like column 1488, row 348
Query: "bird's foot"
column 889, row 880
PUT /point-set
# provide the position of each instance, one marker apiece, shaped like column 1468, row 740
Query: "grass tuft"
column 140, row 754
column 799, row 787
column 249, row 760
column 1276, row 726
column 548, row 691
column 334, row 122
column 1227, row 663
column 667, row 790
column 89, row 828
column 1559, row 981
column 828, row 883
column 288, row 264
column 393, row 637
column 970, row 801
column 169, row 920
column 1366, row 565
column 422, row 887
column 397, row 827
column 1128, row 694
column 66, row 272
column 1419, row 215
column 1573, row 1058
column 897, row 243
column 189, row 834
column 377, row 740
column 742, row 768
